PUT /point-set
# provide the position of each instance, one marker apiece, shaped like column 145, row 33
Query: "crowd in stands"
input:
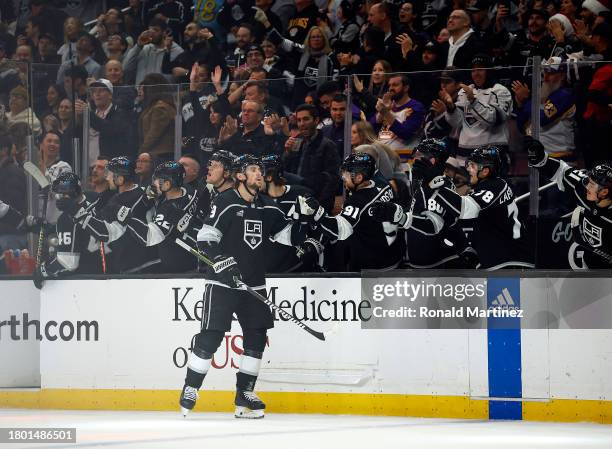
column 153, row 81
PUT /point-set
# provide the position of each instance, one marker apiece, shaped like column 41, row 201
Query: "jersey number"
column 516, row 226
column 486, row 195
column 65, row 238
column 351, row 211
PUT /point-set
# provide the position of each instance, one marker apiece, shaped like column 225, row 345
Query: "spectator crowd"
column 155, row 80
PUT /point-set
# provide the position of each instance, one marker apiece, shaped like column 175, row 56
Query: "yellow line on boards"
column 557, row 410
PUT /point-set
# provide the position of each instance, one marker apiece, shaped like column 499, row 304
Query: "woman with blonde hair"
column 315, row 64
column 73, row 26
column 388, row 162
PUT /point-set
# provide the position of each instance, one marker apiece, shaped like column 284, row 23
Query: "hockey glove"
column 423, row 169
column 309, row 208
column 469, row 258
column 227, row 272
column 309, row 252
column 385, row 212
column 39, row 276
column 152, row 193
column 536, row 155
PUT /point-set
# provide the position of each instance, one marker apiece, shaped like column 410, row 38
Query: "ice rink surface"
column 153, row 430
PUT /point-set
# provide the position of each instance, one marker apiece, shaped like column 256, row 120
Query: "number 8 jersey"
column 498, row 235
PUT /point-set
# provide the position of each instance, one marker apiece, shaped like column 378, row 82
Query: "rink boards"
column 122, row 344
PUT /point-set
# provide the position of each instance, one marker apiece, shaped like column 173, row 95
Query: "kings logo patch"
column 253, row 233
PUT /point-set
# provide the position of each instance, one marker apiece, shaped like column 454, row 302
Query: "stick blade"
column 35, row 173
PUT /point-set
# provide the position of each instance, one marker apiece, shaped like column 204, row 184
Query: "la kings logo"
column 592, row 233
column 253, row 233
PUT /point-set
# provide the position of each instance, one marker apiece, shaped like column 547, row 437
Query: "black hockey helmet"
column 170, row 171
column 122, row 166
column 435, row 148
column 487, row 156
column 601, row 175
column 67, row 184
column 242, row 162
column 225, row 158
column 359, row 163
column 273, row 165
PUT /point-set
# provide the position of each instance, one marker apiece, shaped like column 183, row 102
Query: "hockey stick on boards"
column 243, row 286
column 43, row 182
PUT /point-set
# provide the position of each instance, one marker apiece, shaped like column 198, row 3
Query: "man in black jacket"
column 110, row 127
column 313, row 157
column 463, row 44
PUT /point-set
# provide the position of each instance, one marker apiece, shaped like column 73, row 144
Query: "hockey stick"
column 43, row 182
column 243, row 286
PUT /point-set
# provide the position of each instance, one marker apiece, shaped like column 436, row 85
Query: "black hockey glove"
column 227, row 272
column 536, row 155
column 469, row 258
column 309, row 252
column 39, row 276
column 386, row 212
column 424, row 170
column 308, row 208
column 68, row 205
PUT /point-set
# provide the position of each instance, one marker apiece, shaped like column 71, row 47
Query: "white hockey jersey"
column 483, row 122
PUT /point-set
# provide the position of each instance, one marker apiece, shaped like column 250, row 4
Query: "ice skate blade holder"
column 185, row 412
column 247, row 413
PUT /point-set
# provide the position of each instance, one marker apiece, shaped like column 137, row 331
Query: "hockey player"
column 233, row 236
column 282, row 258
column 218, row 179
column 592, row 218
column 76, row 251
column 128, row 256
column 427, row 245
column 174, row 217
column 372, row 245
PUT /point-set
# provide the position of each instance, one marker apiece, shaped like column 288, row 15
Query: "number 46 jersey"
column 498, row 235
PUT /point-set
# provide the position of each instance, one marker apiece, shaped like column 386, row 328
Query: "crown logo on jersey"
column 253, row 233
column 592, row 233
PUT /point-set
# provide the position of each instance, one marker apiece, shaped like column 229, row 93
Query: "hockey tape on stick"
column 35, row 173
column 243, row 286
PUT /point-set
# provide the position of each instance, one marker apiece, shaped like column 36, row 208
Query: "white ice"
column 149, row 430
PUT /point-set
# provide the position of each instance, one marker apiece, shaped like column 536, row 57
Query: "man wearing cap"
column 557, row 110
column 482, row 110
column 436, row 125
column 110, row 127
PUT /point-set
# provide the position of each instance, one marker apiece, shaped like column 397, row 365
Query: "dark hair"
column 155, row 87
column 405, row 80
column 38, row 22
column 77, row 72
column 311, row 109
column 375, row 38
column 190, row 156
column 61, row 94
column 46, row 133
column 328, row 88
column 155, row 22
column 248, row 27
column 347, row 10
column 261, row 87
column 340, row 98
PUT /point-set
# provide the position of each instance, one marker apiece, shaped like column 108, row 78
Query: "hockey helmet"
column 359, row 163
column 435, row 148
column 601, row 175
column 122, row 166
column 225, row 158
column 487, row 156
column 170, row 171
column 241, row 163
column 67, row 184
column 273, row 165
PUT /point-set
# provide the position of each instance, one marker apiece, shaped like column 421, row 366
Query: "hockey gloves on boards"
column 308, row 208
column 389, row 213
column 535, row 152
column 309, row 251
column 39, row 276
column 227, row 271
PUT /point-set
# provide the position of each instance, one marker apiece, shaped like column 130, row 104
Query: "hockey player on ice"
column 233, row 237
column 591, row 221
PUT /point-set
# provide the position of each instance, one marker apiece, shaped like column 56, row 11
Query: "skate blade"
column 247, row 413
column 185, row 412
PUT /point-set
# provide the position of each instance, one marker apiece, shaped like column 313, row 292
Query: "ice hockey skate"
column 248, row 405
column 189, row 395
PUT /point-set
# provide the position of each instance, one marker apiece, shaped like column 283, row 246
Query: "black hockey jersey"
column 426, row 249
column 239, row 229
column 591, row 225
column 372, row 245
column 498, row 235
column 172, row 219
column 127, row 256
column 282, row 258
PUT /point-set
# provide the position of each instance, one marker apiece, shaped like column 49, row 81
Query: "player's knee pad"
column 254, row 340
column 208, row 340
